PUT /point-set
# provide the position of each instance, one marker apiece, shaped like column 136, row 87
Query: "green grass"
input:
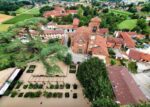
column 34, row 10
column 4, row 27
column 21, row 10
column 121, row 12
column 16, row 19
column 127, row 24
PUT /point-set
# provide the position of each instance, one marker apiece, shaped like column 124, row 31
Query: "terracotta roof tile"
column 139, row 56
column 124, row 86
column 127, row 40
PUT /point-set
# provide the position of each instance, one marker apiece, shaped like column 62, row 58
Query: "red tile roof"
column 53, row 32
column 101, row 48
column 127, row 40
column 59, row 12
column 72, row 11
column 103, row 31
column 139, row 56
column 64, row 26
column 114, row 42
column 125, row 88
column 81, row 33
column 76, row 22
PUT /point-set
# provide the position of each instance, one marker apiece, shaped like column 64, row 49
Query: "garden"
column 72, row 68
column 31, row 69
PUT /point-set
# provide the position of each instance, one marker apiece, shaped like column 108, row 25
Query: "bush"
column 13, row 93
column 61, row 86
column 68, row 59
column 60, row 95
column 67, row 86
column 113, row 62
column 54, row 95
column 75, row 86
column 72, row 71
column 75, row 95
column 132, row 67
column 49, row 95
column 52, row 86
column 25, row 86
column 35, row 86
column 20, row 94
column 19, row 83
column 33, row 94
column 56, row 86
column 67, row 94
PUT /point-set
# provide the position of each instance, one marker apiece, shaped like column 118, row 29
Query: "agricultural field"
column 127, row 24
column 4, row 27
column 4, row 17
column 23, row 10
column 18, row 18
column 121, row 12
column 34, row 11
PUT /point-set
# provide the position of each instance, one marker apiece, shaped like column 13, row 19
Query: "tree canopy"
column 93, row 76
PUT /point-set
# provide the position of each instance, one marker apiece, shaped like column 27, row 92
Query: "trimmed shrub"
column 61, row 86
column 25, row 86
column 75, row 86
column 52, row 86
column 56, row 86
column 75, row 95
column 19, row 84
column 54, row 95
column 20, row 94
column 67, row 86
column 67, row 95
column 60, row 95
column 13, row 93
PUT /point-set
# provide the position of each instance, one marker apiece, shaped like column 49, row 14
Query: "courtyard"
column 36, row 88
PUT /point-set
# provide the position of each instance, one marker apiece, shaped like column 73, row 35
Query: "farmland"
column 23, row 10
column 128, row 24
column 4, row 17
column 4, row 27
column 18, row 18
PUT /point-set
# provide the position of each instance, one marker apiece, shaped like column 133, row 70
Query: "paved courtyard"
column 143, row 81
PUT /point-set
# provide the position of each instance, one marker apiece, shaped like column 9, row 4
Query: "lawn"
column 4, row 27
column 121, row 12
column 18, row 18
column 4, row 17
column 127, row 24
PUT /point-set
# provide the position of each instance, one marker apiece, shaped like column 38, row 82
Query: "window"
column 80, row 51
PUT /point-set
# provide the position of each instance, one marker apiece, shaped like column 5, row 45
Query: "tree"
column 68, row 59
column 46, row 8
column 146, row 7
column 104, row 102
column 113, row 62
column 80, row 12
column 132, row 67
column 92, row 75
